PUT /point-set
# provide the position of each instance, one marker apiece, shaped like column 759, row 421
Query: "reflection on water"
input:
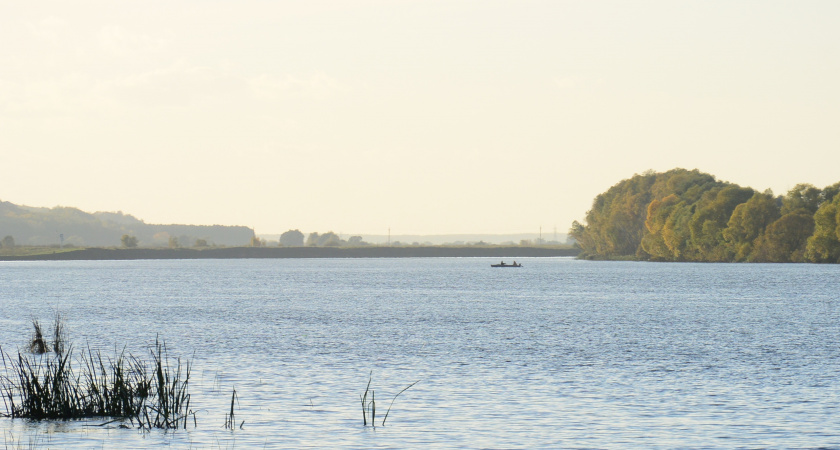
column 561, row 353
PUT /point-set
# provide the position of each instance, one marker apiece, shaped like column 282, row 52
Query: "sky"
column 423, row 117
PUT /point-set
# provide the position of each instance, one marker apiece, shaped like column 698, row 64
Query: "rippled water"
column 560, row 353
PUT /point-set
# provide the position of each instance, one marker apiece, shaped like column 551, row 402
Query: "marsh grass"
column 47, row 387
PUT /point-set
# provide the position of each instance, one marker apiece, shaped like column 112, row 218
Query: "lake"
column 560, row 353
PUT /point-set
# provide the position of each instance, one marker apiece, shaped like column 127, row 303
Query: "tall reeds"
column 170, row 405
column 46, row 387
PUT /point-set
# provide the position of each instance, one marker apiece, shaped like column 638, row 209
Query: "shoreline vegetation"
column 690, row 216
column 100, row 253
column 43, row 384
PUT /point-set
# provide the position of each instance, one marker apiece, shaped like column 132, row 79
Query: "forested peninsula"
column 688, row 215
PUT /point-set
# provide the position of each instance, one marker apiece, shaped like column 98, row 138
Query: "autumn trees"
column 683, row 215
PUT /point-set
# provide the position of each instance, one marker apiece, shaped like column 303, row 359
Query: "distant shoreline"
column 106, row 254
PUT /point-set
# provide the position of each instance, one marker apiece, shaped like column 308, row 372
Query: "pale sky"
column 428, row 117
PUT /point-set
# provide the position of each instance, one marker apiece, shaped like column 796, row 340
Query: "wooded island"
column 687, row 215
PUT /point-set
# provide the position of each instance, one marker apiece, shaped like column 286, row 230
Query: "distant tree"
column 200, row 243
column 128, row 241
column 312, row 239
column 329, row 239
column 7, row 242
column 173, row 242
column 291, row 238
column 355, row 241
column 255, row 242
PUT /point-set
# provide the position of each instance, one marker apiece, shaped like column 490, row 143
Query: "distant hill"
column 44, row 226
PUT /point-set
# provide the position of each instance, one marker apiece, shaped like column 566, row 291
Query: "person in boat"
column 503, row 263
column 514, row 262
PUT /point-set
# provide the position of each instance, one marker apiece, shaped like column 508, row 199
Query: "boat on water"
column 502, row 264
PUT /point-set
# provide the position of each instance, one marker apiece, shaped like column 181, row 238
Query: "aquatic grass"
column 230, row 418
column 59, row 334
column 46, row 387
column 115, row 387
column 38, row 344
column 395, row 399
column 369, row 406
column 170, row 405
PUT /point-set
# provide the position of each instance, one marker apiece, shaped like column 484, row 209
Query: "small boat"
column 502, row 264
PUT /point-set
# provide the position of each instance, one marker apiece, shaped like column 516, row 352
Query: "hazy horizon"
column 425, row 117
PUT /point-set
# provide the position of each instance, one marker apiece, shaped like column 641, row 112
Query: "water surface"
column 559, row 353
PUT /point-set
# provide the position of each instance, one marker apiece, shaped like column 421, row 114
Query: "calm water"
column 558, row 354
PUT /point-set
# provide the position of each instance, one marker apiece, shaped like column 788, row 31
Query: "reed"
column 369, row 406
column 230, row 418
column 41, row 387
column 59, row 334
column 115, row 387
column 38, row 344
column 46, row 387
column 395, row 399
column 170, row 404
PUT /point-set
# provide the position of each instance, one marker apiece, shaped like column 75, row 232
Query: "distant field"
column 21, row 252
column 36, row 254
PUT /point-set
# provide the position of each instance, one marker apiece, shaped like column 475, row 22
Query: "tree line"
column 74, row 227
column 687, row 215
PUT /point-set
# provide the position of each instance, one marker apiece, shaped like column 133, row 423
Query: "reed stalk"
column 369, row 407
column 395, row 398
column 230, row 418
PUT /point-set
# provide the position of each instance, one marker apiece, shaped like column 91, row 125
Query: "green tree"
column 748, row 222
column 711, row 217
column 128, row 241
column 291, row 238
column 329, row 239
column 658, row 212
column 200, row 243
column 802, row 196
column 356, row 241
column 824, row 244
column 785, row 239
